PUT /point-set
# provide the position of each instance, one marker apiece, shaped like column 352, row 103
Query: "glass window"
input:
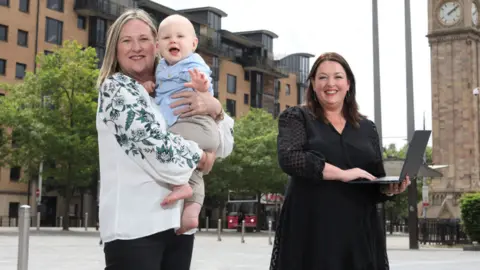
column 53, row 31
column 5, row 3
column 231, row 84
column 22, row 38
column 246, row 98
column 55, row 5
column 24, row 5
column 81, row 22
column 3, row 32
column 20, row 70
column 101, row 31
column 15, row 174
column 231, row 107
column 3, row 66
column 287, row 90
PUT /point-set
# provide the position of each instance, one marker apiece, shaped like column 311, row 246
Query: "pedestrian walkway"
column 51, row 249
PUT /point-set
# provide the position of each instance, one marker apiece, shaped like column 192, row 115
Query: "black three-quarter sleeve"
column 293, row 158
column 378, row 169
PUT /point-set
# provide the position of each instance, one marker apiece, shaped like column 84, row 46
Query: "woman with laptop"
column 327, row 222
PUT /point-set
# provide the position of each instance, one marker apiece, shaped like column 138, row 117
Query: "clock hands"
column 453, row 9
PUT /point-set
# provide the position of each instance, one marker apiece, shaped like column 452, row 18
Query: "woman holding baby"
column 140, row 161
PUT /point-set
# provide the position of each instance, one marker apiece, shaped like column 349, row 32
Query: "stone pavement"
column 55, row 250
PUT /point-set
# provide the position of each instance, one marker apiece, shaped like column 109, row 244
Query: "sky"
column 346, row 27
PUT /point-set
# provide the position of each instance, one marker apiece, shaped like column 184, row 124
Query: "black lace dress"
column 328, row 225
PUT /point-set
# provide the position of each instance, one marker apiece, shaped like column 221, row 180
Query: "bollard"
column 270, row 232
column 243, row 231
column 219, row 230
column 61, row 222
column 207, row 223
column 86, row 221
column 38, row 221
column 23, row 237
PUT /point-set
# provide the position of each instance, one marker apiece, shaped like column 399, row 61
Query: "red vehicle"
column 232, row 220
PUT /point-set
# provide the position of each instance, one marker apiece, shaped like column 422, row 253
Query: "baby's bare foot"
column 190, row 215
column 178, row 193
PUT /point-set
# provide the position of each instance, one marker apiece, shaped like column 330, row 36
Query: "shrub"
column 470, row 209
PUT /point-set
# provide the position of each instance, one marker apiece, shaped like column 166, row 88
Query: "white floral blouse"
column 139, row 158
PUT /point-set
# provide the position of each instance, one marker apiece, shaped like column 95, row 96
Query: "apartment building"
column 244, row 72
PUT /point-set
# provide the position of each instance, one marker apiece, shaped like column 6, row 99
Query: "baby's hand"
column 149, row 86
column 199, row 81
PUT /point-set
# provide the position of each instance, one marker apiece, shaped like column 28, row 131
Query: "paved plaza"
column 77, row 250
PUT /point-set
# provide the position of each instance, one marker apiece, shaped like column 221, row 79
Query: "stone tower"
column 454, row 38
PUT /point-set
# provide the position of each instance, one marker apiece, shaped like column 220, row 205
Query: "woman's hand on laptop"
column 398, row 188
column 354, row 174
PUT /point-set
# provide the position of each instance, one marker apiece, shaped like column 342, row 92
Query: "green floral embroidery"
column 136, row 129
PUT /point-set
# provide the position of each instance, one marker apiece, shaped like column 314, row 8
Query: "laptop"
column 412, row 163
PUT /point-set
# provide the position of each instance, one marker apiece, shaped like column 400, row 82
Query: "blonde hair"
column 110, row 63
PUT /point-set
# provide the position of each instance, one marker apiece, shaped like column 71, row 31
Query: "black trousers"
column 161, row 251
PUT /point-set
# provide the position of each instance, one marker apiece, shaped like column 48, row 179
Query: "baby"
column 179, row 65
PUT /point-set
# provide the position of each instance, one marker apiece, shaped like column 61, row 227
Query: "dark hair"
column 350, row 106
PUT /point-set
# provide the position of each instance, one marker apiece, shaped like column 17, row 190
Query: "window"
column 15, row 174
column 214, row 21
column 245, row 99
column 3, row 66
column 100, row 55
column 24, row 6
column 287, row 90
column 3, row 32
column 231, row 107
column 53, row 31
column 81, row 22
column 13, row 208
column 231, row 84
column 101, row 31
column 55, row 5
column 20, row 70
column 22, row 38
column 215, row 88
column 5, row 3
column 247, row 76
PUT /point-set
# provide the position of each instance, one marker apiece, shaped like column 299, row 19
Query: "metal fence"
column 442, row 231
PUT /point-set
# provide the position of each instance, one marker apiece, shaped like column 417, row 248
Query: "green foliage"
column 52, row 115
column 253, row 165
column 470, row 210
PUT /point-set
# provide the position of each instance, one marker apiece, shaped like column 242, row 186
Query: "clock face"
column 450, row 13
column 474, row 14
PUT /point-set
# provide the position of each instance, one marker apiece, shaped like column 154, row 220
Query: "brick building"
column 454, row 38
column 245, row 74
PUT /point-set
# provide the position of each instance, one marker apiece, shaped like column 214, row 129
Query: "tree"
column 52, row 115
column 252, row 166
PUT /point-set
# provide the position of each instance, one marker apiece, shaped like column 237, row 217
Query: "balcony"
column 263, row 64
column 207, row 44
column 100, row 8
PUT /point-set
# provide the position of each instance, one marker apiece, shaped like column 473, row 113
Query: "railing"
column 208, row 44
column 441, row 231
column 6, row 221
column 105, row 7
column 263, row 63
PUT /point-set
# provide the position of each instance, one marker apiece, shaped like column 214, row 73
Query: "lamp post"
column 412, row 189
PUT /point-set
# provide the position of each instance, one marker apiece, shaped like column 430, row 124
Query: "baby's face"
column 176, row 41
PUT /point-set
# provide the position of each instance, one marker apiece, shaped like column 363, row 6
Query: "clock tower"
column 454, row 38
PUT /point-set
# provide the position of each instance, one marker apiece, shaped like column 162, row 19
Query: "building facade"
column 244, row 72
column 454, row 38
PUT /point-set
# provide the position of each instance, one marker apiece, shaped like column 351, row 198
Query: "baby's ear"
column 195, row 44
